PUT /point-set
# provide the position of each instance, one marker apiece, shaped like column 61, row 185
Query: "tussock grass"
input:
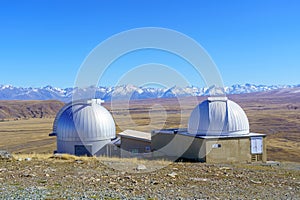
column 68, row 157
column 133, row 160
column 47, row 156
column 32, row 155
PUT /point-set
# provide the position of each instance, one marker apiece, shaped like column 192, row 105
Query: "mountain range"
column 9, row 92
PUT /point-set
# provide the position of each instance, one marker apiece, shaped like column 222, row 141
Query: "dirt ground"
column 43, row 177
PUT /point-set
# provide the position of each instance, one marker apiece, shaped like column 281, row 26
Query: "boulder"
column 141, row 167
column 4, row 155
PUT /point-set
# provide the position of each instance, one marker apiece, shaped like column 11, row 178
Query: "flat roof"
column 185, row 133
column 137, row 135
column 232, row 136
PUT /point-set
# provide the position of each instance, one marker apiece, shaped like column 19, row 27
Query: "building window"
column 216, row 146
column 83, row 150
column 147, row 149
column 134, row 151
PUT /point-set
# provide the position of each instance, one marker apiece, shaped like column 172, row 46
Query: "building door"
column 83, row 150
column 256, row 145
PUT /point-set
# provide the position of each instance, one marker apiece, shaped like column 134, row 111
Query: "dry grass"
column 37, row 156
column 27, row 136
column 124, row 164
column 134, row 161
column 56, row 157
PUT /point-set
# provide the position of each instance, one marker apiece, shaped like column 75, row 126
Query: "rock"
column 271, row 163
column 154, row 182
column 3, row 170
column 112, row 183
column 28, row 175
column 79, row 161
column 113, row 176
column 225, row 168
column 127, row 177
column 134, row 181
column 4, row 155
column 256, row 182
column 27, row 159
column 173, row 174
column 141, row 167
column 199, row 179
column 57, row 156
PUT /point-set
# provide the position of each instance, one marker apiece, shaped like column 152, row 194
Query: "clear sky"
column 44, row 42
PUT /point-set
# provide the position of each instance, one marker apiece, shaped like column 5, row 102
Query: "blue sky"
column 44, row 42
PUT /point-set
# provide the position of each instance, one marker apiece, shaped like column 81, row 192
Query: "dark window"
column 134, row 151
column 147, row 149
column 83, row 150
column 215, row 146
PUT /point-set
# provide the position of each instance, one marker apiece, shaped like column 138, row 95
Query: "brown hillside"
column 29, row 109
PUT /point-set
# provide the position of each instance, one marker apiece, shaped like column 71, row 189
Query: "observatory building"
column 85, row 127
column 218, row 131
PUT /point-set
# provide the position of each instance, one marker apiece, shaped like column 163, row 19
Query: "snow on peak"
column 9, row 92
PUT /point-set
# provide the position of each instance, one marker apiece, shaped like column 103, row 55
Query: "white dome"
column 218, row 116
column 84, row 121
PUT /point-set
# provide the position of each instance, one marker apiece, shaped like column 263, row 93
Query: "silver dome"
column 84, row 121
column 218, row 116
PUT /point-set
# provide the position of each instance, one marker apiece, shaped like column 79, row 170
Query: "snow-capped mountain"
column 9, row 92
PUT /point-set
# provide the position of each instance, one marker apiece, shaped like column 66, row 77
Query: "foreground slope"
column 83, row 178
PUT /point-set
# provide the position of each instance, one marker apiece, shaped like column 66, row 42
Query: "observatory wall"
column 209, row 149
column 70, row 147
column 109, row 150
column 177, row 146
column 131, row 147
column 228, row 150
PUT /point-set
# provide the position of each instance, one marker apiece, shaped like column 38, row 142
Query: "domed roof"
column 218, row 116
column 84, row 121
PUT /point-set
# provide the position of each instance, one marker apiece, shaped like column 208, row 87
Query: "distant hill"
column 29, row 109
column 8, row 92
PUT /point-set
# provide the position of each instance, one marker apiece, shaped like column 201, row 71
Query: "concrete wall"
column 130, row 145
column 196, row 151
column 109, row 150
column 229, row 150
column 232, row 150
column 264, row 156
column 69, row 146
column 223, row 150
column 173, row 146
